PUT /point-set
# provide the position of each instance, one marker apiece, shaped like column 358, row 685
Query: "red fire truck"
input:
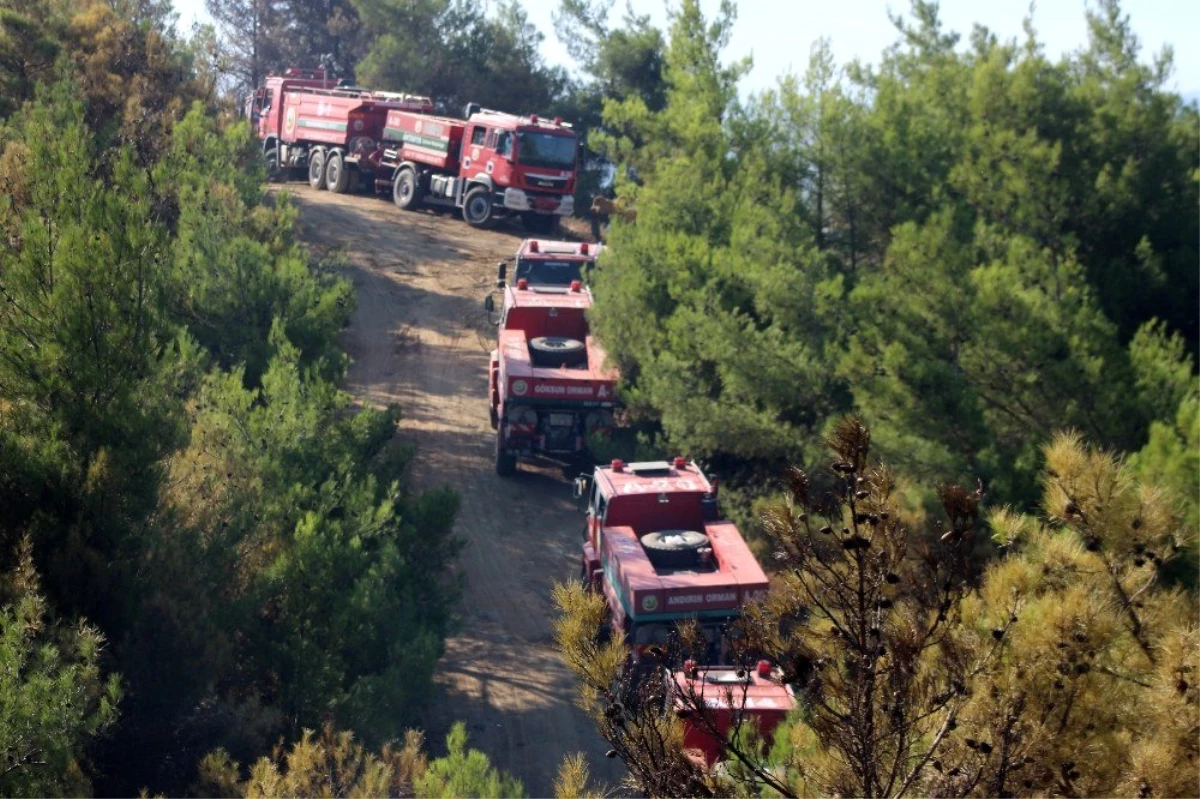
column 551, row 263
column 656, row 547
column 306, row 121
column 490, row 165
column 713, row 701
column 548, row 387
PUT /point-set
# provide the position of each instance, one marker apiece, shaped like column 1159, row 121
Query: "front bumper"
column 520, row 200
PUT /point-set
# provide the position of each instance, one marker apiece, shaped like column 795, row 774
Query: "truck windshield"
column 545, row 149
column 549, row 273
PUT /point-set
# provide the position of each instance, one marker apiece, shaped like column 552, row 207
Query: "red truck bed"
column 336, row 116
column 737, row 579
column 436, row 141
column 589, row 383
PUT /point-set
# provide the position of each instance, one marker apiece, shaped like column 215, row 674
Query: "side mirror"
column 501, row 274
column 489, row 304
column 581, row 486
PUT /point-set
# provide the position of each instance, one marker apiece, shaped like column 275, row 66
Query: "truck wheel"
column 674, row 548
column 506, row 464
column 477, row 207
column 495, row 418
column 406, row 191
column 273, row 172
column 316, row 170
column 337, row 176
column 541, row 224
column 557, row 351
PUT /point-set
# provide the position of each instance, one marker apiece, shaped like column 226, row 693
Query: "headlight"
column 525, row 416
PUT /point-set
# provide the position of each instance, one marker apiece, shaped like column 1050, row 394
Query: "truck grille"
column 545, row 182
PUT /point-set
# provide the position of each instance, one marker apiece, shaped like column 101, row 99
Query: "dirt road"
column 420, row 338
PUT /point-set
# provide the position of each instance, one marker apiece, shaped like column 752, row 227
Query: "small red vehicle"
column 548, row 386
column 490, row 165
column 551, row 263
column 305, row 120
column 656, row 547
column 713, row 701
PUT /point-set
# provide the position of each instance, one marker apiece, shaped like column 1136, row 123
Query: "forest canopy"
column 983, row 254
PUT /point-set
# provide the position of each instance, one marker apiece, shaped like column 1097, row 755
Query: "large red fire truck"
column 305, row 120
column 713, row 701
column 656, row 547
column 548, row 386
column 490, row 165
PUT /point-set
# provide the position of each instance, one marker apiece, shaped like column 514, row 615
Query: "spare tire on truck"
column 557, row 351
column 677, row 549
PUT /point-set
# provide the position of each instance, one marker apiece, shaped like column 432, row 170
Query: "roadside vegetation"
column 209, row 554
column 205, row 545
column 970, row 245
column 989, row 257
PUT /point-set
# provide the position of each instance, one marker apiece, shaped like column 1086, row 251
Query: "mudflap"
column 494, row 390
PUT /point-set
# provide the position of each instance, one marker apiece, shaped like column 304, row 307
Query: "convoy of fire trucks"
column 655, row 545
column 488, row 165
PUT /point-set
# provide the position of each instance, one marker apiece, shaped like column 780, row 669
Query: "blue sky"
column 779, row 33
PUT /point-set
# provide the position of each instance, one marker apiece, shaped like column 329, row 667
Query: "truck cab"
column 264, row 107
column 656, row 547
column 530, row 162
column 540, row 262
column 713, row 701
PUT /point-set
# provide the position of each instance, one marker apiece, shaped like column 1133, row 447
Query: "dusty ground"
column 420, row 338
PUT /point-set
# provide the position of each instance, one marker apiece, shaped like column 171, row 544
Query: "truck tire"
column 494, row 417
column 406, row 189
column 316, row 169
column 541, row 224
column 674, row 548
column 274, row 173
column 557, row 351
column 477, row 207
column 506, row 464
column 337, row 176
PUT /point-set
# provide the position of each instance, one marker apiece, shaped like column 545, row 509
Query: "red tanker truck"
column 656, row 548
column 548, row 387
column 305, row 120
column 490, row 165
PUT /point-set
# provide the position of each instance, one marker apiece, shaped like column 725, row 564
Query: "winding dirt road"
column 420, row 338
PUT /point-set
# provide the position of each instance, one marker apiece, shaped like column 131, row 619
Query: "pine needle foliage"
column 1063, row 662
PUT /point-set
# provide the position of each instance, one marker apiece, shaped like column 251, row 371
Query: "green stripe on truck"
column 416, row 139
column 322, row 124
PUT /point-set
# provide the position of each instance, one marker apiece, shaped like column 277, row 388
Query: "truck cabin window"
column 479, row 135
column 548, row 273
column 545, row 149
column 504, row 145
